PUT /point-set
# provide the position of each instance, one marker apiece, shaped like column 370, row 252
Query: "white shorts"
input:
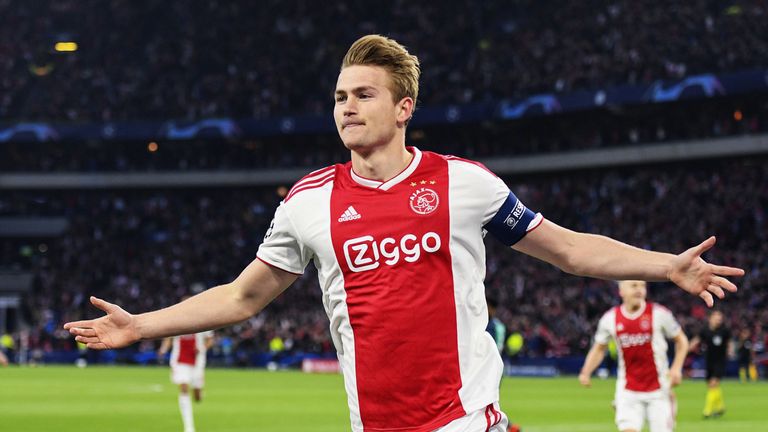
column 488, row 419
column 633, row 408
column 188, row 374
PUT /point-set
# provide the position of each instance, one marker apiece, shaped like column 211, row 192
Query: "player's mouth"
column 351, row 125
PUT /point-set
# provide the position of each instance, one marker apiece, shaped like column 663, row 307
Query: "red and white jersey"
column 190, row 349
column 641, row 343
column 401, row 265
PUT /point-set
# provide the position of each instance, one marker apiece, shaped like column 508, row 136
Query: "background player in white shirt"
column 188, row 358
column 397, row 238
column 643, row 388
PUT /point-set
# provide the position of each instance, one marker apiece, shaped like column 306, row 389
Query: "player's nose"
column 350, row 107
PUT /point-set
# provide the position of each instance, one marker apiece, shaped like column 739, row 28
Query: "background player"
column 643, row 388
column 715, row 341
column 391, row 219
column 188, row 358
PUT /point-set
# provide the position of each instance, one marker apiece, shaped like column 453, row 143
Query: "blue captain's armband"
column 511, row 222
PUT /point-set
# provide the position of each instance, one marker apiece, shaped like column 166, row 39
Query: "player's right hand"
column 116, row 329
column 675, row 377
column 585, row 380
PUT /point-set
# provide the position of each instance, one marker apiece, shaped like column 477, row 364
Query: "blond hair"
column 403, row 67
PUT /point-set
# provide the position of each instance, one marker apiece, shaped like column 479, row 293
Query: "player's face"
column 632, row 292
column 716, row 319
column 365, row 113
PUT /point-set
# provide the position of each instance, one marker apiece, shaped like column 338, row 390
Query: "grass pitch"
column 64, row 399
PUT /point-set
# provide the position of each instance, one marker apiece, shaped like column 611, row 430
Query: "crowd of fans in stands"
column 177, row 60
column 165, row 60
column 640, row 125
column 145, row 249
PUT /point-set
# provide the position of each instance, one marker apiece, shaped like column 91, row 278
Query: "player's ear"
column 405, row 109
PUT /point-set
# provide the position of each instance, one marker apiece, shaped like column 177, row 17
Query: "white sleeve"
column 503, row 215
column 669, row 325
column 603, row 335
column 282, row 246
column 499, row 191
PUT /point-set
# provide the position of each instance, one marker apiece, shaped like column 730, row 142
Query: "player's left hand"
column 691, row 273
column 585, row 380
column 675, row 377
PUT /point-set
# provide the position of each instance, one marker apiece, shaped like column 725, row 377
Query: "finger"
column 87, row 332
column 707, row 297
column 87, row 340
column 81, row 331
column 704, row 246
column 716, row 290
column 103, row 305
column 77, row 324
column 727, row 271
column 97, row 346
column 724, row 283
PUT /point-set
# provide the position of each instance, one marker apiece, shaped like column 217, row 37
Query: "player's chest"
column 418, row 202
column 380, row 229
column 635, row 332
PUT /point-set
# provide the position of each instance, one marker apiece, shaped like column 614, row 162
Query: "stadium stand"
column 145, row 247
column 212, row 59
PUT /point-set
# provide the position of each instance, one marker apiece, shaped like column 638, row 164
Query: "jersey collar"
column 634, row 315
column 386, row 185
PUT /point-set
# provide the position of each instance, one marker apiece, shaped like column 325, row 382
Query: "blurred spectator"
column 183, row 60
column 145, row 248
column 594, row 129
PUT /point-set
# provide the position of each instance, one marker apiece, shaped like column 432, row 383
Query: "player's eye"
column 340, row 98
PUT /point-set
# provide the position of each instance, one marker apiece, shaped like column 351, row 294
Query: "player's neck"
column 633, row 308
column 381, row 163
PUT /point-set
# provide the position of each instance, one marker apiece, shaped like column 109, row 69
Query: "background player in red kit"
column 188, row 358
column 396, row 235
column 643, row 387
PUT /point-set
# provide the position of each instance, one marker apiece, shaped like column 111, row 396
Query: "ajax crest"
column 424, row 201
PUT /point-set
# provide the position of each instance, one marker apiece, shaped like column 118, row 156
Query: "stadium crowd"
column 181, row 60
column 164, row 60
column 144, row 249
column 640, row 125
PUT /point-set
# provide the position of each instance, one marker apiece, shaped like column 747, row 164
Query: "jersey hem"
column 428, row 427
column 276, row 266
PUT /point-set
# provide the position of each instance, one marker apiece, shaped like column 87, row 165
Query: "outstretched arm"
column 164, row 346
column 681, row 352
column 594, row 358
column 217, row 307
column 604, row 258
column 694, row 344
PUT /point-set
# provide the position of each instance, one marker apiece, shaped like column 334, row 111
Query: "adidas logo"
column 349, row 214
